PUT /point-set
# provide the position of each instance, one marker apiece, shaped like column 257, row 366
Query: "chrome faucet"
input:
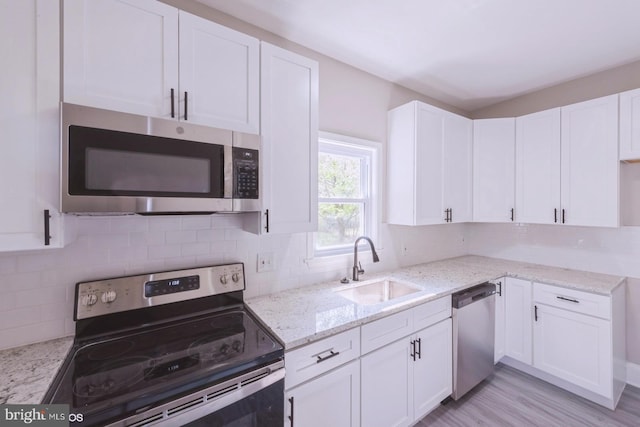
column 357, row 267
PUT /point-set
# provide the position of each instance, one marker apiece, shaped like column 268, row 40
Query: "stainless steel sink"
column 370, row 293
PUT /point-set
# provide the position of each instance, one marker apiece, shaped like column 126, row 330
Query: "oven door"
column 254, row 399
column 124, row 163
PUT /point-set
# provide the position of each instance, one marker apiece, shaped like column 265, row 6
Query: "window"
column 347, row 184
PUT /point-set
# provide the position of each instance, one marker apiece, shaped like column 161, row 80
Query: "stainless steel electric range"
column 172, row 348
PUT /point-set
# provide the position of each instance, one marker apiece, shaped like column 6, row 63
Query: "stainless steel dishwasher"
column 473, row 336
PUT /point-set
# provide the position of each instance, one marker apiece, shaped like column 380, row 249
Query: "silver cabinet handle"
column 329, row 356
column 568, row 299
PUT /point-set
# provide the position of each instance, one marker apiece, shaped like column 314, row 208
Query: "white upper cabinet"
column 146, row 57
column 538, row 167
column 121, row 55
column 590, row 165
column 630, row 125
column 494, row 170
column 219, row 75
column 30, row 81
column 289, row 108
column 429, row 166
column 458, row 163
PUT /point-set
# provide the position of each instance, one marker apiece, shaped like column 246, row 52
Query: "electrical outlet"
column 265, row 262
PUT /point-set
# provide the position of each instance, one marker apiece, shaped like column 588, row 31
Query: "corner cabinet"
column 289, row 106
column 29, row 164
column 429, row 166
column 518, row 317
column 494, row 170
column 162, row 62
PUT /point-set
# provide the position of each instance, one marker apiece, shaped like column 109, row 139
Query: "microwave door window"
column 120, row 171
column 113, row 163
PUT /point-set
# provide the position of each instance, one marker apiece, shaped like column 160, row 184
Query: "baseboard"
column 633, row 374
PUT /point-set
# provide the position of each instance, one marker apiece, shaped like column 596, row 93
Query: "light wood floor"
column 513, row 398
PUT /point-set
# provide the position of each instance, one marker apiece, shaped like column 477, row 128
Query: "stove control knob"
column 235, row 277
column 108, row 296
column 224, row 348
column 236, row 345
column 224, row 279
column 89, row 299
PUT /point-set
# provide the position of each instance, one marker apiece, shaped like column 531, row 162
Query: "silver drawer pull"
column 569, row 299
column 327, row 357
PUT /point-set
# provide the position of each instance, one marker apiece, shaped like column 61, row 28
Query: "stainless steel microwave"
column 114, row 162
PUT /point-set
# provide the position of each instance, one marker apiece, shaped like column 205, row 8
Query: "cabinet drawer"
column 384, row 331
column 571, row 299
column 431, row 312
column 321, row 356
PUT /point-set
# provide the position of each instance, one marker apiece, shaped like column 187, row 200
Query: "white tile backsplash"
column 38, row 287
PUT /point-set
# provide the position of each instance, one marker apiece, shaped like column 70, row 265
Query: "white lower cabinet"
column 499, row 343
column 571, row 338
column 404, row 380
column 322, row 382
column 332, row 399
column 518, row 340
column 574, row 347
column 405, row 371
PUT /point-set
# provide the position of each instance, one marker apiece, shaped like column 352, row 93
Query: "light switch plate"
column 265, row 262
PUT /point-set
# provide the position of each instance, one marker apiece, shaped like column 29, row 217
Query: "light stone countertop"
column 27, row 371
column 303, row 315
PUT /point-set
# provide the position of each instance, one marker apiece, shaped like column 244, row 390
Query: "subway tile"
column 164, row 223
column 180, row 236
column 196, row 222
column 164, row 251
column 195, row 249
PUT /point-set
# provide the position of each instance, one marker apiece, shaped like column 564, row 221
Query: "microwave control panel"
column 245, row 173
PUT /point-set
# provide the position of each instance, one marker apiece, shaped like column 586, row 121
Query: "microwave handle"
column 228, row 172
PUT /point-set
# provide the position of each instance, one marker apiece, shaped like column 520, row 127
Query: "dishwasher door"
column 473, row 318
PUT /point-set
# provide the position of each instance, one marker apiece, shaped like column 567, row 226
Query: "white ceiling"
column 467, row 53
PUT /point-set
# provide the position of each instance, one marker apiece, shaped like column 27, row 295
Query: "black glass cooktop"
column 111, row 378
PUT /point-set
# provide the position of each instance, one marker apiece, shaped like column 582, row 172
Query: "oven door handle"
column 159, row 416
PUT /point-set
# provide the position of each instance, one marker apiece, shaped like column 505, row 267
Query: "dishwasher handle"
column 472, row 294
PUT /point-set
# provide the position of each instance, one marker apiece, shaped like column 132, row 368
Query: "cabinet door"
column 493, row 170
column 457, row 164
column 538, row 167
column 499, row 344
column 289, row 106
column 29, row 117
column 428, row 179
column 333, row 399
column 590, row 163
column 220, row 75
column 121, row 55
column 433, row 370
column 574, row 347
column 630, row 125
column 386, row 386
column 518, row 334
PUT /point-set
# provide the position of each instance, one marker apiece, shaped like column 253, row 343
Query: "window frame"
column 370, row 181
